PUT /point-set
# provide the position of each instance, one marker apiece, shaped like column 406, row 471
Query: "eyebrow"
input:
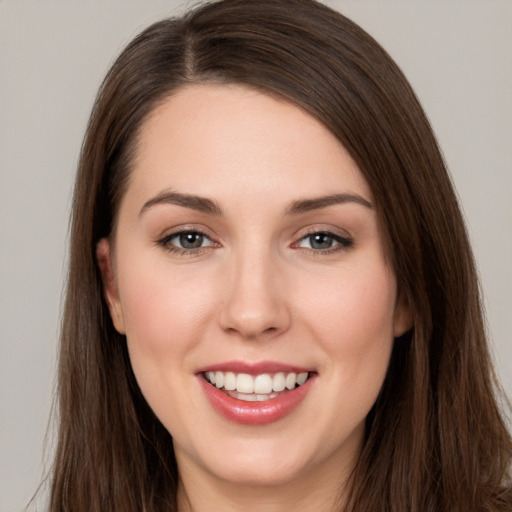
column 307, row 205
column 193, row 202
column 206, row 205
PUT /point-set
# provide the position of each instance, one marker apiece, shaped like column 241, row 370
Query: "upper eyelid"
column 178, row 230
column 328, row 229
column 325, row 232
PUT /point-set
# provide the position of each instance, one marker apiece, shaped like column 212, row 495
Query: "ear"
column 106, row 265
column 403, row 319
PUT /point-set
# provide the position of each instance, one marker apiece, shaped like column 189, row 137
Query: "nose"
column 255, row 305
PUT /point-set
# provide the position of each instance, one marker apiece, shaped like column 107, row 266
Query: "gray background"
column 53, row 55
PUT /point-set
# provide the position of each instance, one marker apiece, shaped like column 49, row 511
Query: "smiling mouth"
column 255, row 388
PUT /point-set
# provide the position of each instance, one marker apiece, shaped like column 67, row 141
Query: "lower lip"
column 255, row 413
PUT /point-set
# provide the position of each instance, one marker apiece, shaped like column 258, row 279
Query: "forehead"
column 229, row 141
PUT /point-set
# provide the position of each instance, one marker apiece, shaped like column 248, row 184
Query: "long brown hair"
column 436, row 440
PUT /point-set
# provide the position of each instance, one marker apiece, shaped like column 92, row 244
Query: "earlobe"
column 403, row 320
column 110, row 292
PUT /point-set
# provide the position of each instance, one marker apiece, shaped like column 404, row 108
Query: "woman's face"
column 247, row 257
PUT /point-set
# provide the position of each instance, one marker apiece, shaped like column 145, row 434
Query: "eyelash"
column 340, row 243
column 165, row 242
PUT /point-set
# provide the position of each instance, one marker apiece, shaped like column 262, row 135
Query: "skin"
column 258, row 289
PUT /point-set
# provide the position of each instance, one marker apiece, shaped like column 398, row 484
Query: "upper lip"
column 253, row 368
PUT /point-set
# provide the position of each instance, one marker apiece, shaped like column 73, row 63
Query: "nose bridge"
column 255, row 303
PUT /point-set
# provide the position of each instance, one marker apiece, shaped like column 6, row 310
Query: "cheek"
column 357, row 335
column 164, row 314
column 166, row 317
column 353, row 320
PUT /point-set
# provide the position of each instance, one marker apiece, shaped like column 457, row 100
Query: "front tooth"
column 291, row 379
column 244, row 383
column 279, row 382
column 263, row 384
column 230, row 381
column 301, row 378
column 219, row 379
column 211, row 377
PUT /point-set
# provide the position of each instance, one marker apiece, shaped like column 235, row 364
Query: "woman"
column 272, row 303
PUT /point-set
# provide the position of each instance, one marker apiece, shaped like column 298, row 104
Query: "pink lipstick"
column 255, row 393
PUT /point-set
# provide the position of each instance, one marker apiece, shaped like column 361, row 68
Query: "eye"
column 190, row 240
column 324, row 241
column 186, row 241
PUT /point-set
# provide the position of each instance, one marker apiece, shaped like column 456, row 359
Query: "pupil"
column 191, row 240
column 321, row 241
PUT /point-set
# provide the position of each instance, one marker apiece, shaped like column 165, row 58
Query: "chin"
column 258, row 474
column 249, row 462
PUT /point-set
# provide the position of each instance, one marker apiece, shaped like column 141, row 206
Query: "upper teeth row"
column 261, row 384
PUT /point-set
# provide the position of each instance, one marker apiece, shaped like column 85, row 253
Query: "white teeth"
column 291, row 380
column 279, row 382
column 246, row 397
column 263, row 384
column 252, row 397
column 244, row 383
column 301, row 378
column 258, row 387
column 219, row 379
column 229, row 381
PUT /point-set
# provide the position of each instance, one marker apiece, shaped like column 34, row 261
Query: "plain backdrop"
column 53, row 55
